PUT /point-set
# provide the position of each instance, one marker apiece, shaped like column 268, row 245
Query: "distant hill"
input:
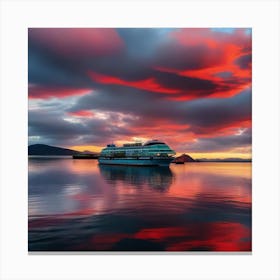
column 46, row 150
column 186, row 158
column 183, row 158
column 224, row 160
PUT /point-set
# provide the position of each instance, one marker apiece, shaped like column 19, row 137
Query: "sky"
column 188, row 87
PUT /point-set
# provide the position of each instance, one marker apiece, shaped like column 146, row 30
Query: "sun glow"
column 95, row 149
column 221, row 155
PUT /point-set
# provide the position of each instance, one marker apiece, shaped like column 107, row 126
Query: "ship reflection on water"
column 155, row 177
column 78, row 205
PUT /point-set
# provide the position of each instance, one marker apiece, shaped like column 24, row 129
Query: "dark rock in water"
column 46, row 150
column 183, row 158
column 85, row 156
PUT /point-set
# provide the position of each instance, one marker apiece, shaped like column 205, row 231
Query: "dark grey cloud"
column 175, row 56
column 215, row 112
column 143, row 42
column 147, row 107
column 185, row 84
column 57, row 128
column 122, row 66
column 47, row 68
column 119, row 99
column 225, row 74
column 52, row 126
column 244, row 61
column 197, row 113
column 222, row 143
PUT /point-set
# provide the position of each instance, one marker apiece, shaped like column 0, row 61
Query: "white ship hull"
column 141, row 161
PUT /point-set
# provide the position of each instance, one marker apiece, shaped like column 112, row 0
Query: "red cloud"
column 82, row 114
column 213, row 39
column 149, row 84
column 42, row 92
column 220, row 52
column 77, row 42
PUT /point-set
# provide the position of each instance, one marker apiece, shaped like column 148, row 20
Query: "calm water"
column 78, row 205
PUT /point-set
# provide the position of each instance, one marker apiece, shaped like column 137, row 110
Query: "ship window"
column 150, row 144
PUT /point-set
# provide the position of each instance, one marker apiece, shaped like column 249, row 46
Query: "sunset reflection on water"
column 78, row 205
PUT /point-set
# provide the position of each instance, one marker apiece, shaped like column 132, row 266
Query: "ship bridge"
column 153, row 142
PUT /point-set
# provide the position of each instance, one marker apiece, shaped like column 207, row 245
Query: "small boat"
column 85, row 156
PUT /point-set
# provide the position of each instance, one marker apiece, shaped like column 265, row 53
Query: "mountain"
column 46, row 150
column 183, row 158
column 224, row 160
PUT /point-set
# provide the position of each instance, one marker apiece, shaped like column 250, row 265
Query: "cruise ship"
column 152, row 153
